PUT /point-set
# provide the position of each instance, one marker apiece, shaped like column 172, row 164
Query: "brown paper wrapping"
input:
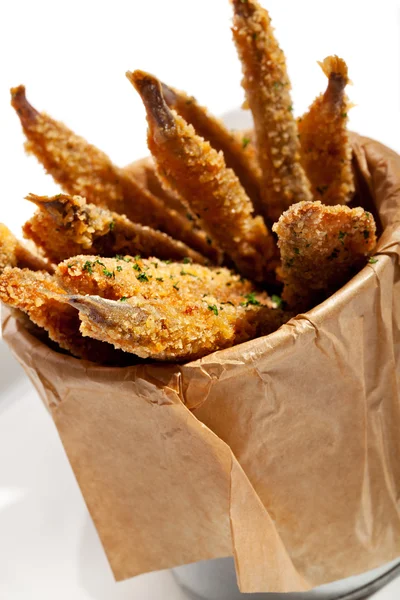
column 283, row 452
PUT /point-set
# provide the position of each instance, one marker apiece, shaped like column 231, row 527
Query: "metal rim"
column 359, row 594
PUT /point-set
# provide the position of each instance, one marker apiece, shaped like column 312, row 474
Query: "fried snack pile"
column 217, row 238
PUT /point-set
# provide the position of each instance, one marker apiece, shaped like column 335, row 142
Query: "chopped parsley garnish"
column 228, row 302
column 343, row 115
column 175, row 286
column 187, row 260
column 123, row 299
column 167, row 262
column 159, row 279
column 190, row 217
column 214, row 308
column 138, row 257
column 289, row 262
column 119, row 257
column 71, row 265
column 136, row 267
column 254, row 36
column 112, row 225
column 290, row 108
column 98, row 262
column 372, row 260
column 342, row 235
column 108, row 273
column 296, row 250
column 88, row 266
column 245, row 142
column 276, row 300
column 142, row 277
column 250, row 299
column 277, row 84
column 119, row 268
column 366, row 234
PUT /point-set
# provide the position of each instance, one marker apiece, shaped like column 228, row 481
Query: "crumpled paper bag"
column 283, row 452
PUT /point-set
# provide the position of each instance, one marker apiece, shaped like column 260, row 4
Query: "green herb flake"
column 123, row 299
column 119, row 268
column 138, row 257
column 187, row 260
column 344, row 115
column 159, row 279
column 136, row 267
column 214, row 308
column 290, row 108
column 245, row 142
column 342, row 235
column 189, row 217
column 372, row 260
column 112, row 225
column 254, row 36
column 88, row 266
column 366, row 234
column 296, row 250
column 277, row 300
column 167, row 262
column 250, row 300
column 98, row 262
column 142, row 277
column 176, row 286
column 228, row 302
column 109, row 274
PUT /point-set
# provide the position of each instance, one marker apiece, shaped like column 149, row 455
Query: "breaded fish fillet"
column 66, row 225
column 321, row 248
column 198, row 173
column 325, row 147
column 14, row 254
column 165, row 311
column 267, row 88
column 232, row 145
column 39, row 296
column 81, row 168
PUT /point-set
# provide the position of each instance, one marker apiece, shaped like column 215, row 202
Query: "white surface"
column 72, row 57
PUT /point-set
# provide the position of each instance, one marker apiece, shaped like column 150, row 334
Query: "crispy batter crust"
column 321, row 247
column 325, row 146
column 39, row 296
column 267, row 88
column 81, row 168
column 189, row 165
column 66, row 225
column 165, row 311
column 234, row 146
column 14, row 254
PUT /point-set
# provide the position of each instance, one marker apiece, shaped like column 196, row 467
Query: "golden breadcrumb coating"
column 267, row 88
column 14, row 254
column 66, row 225
column 165, row 311
column 39, row 296
column 115, row 278
column 144, row 172
column 321, row 248
column 189, row 165
column 233, row 145
column 325, row 147
column 81, row 168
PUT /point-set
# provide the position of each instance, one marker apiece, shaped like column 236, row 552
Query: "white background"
column 72, row 57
